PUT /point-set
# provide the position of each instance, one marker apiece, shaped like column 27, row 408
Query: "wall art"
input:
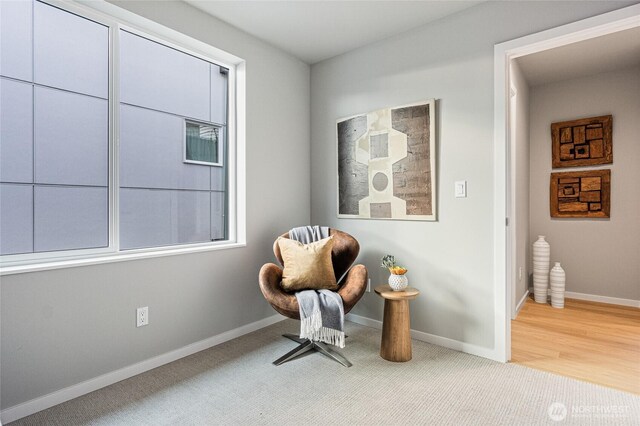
column 584, row 142
column 581, row 194
column 386, row 164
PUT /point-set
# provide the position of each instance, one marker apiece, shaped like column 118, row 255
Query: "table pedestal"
column 396, row 334
column 396, row 330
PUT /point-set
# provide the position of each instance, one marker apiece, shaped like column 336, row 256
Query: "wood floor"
column 590, row 341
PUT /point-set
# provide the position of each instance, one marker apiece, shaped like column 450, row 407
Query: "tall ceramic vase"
column 558, row 279
column 541, row 255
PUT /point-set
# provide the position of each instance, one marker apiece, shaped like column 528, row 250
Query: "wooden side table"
column 396, row 335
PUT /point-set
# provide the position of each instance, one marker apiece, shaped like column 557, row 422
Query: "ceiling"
column 601, row 54
column 317, row 30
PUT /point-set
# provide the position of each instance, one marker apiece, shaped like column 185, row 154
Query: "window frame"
column 116, row 19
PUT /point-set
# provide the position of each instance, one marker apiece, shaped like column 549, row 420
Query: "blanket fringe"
column 311, row 328
column 310, row 324
column 330, row 336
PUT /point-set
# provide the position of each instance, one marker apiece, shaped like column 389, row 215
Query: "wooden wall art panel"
column 583, row 142
column 581, row 194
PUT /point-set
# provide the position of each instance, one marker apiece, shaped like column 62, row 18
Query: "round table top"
column 386, row 292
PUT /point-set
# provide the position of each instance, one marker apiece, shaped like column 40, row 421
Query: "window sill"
column 116, row 257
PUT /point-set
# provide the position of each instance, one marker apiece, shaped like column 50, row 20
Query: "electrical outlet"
column 368, row 285
column 142, row 316
column 520, row 273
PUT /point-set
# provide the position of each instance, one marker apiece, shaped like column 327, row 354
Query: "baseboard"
column 38, row 404
column 521, row 304
column 597, row 298
column 432, row 338
column 602, row 299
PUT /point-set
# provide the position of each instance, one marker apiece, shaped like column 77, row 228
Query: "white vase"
column 541, row 255
column 398, row 282
column 557, row 282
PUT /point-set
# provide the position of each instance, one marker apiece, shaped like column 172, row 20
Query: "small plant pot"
column 398, row 282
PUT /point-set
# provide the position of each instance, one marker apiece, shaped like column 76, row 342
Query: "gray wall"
column 65, row 326
column 600, row 256
column 520, row 157
column 451, row 60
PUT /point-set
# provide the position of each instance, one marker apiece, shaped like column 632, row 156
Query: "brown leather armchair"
column 351, row 288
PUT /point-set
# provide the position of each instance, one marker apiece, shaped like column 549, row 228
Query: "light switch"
column 461, row 189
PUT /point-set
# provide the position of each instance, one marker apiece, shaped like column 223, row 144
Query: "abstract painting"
column 581, row 194
column 386, row 164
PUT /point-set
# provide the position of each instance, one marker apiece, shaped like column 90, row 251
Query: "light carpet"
column 235, row 383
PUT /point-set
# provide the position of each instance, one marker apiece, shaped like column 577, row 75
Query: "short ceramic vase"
column 398, row 282
column 541, row 255
column 558, row 279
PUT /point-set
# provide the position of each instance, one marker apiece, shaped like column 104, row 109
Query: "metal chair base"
column 307, row 345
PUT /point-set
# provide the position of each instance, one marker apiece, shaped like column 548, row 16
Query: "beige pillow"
column 307, row 266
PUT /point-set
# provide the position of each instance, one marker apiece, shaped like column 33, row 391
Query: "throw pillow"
column 307, row 266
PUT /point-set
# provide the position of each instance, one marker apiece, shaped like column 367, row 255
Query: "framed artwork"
column 386, row 163
column 584, row 142
column 581, row 194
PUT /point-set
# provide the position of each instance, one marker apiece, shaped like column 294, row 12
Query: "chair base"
column 307, row 345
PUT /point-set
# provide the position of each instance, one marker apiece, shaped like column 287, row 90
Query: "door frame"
column 504, row 198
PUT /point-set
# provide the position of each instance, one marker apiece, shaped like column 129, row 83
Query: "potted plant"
column 398, row 281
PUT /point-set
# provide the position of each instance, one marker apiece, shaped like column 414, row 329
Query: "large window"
column 111, row 140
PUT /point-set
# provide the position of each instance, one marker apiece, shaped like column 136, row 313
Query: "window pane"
column 54, row 131
column 202, row 142
column 172, row 146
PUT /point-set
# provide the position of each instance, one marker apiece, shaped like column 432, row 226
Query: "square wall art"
column 386, row 164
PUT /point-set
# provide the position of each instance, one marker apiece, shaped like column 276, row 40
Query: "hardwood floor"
column 590, row 341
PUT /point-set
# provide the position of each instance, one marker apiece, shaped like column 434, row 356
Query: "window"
column 117, row 144
column 165, row 93
column 202, row 143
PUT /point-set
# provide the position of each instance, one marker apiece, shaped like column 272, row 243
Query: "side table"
column 396, row 335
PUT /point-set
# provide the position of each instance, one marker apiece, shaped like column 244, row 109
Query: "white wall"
column 451, row 60
column 65, row 326
column 600, row 256
column 520, row 159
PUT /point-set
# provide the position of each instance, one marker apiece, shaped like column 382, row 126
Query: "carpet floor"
column 235, row 383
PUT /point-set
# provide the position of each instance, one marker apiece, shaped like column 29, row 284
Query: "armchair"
column 351, row 288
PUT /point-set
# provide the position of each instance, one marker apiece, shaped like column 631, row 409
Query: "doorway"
column 506, row 267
